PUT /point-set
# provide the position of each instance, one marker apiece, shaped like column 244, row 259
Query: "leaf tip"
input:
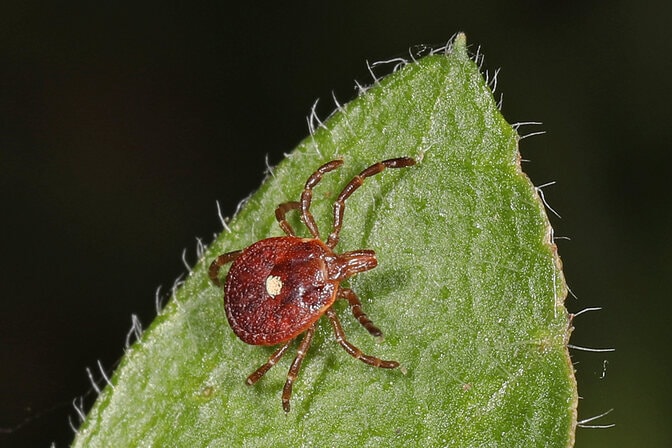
column 460, row 44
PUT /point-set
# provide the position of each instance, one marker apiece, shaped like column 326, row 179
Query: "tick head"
column 345, row 265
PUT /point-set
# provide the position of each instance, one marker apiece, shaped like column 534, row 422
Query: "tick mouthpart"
column 347, row 264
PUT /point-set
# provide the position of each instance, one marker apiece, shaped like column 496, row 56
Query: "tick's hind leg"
column 217, row 264
column 296, row 366
column 360, row 315
column 353, row 350
column 273, row 360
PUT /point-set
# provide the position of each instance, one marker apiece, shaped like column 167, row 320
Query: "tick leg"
column 354, row 351
column 220, row 261
column 273, row 360
column 280, row 213
column 354, row 184
column 356, row 307
column 296, row 365
column 307, row 195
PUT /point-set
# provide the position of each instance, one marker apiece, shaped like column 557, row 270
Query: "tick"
column 278, row 288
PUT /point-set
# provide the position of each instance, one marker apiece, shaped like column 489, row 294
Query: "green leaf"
column 468, row 291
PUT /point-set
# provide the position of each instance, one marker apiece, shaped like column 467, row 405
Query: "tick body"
column 278, row 288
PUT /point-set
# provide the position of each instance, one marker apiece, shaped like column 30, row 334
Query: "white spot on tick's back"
column 273, row 285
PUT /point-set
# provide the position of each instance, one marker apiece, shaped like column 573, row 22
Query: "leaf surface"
column 468, row 291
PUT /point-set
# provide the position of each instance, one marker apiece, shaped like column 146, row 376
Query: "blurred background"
column 122, row 124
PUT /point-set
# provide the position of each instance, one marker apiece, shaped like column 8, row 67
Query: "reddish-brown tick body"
column 306, row 274
column 277, row 288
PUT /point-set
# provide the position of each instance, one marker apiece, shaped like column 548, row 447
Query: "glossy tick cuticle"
column 278, row 288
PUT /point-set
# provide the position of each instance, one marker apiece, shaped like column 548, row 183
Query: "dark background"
column 122, row 124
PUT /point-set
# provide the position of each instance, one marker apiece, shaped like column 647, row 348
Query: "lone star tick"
column 278, row 288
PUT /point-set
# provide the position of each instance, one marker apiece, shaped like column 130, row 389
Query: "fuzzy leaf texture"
column 468, row 291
